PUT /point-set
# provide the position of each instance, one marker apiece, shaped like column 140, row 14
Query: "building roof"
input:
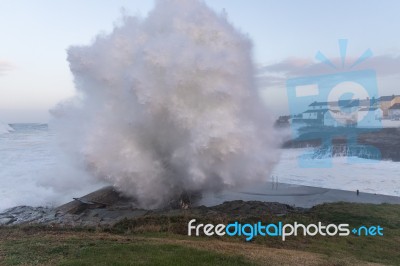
column 340, row 103
column 316, row 111
column 349, row 103
column 319, row 103
column 368, row 102
column 335, row 111
column 345, row 103
column 387, row 98
column 354, row 102
column 367, row 109
column 395, row 106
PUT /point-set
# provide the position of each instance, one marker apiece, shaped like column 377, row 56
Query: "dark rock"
column 106, row 207
column 385, row 140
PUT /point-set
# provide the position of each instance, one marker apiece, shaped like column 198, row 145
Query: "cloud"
column 5, row 67
column 277, row 74
column 385, row 65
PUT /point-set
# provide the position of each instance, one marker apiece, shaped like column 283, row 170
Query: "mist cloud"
column 168, row 104
column 5, row 67
column 276, row 74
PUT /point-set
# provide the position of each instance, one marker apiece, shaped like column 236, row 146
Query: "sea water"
column 31, row 171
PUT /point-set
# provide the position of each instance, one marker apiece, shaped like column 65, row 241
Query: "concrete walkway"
column 295, row 195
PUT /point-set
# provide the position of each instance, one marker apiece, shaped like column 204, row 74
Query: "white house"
column 314, row 116
column 344, row 113
column 310, row 114
column 386, row 102
column 319, row 105
column 394, row 112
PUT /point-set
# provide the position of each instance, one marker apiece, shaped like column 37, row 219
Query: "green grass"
column 379, row 249
column 162, row 240
column 79, row 251
column 149, row 254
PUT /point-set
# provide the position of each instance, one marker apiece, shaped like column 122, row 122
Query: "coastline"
column 105, row 207
column 295, row 195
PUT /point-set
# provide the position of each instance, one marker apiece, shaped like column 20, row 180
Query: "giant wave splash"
column 167, row 105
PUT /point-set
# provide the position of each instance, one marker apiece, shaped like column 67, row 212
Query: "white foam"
column 5, row 128
column 381, row 177
column 31, row 172
column 168, row 104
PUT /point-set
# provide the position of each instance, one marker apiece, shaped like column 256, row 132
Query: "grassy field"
column 162, row 240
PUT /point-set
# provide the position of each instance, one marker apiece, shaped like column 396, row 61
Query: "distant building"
column 354, row 112
column 369, row 102
column 319, row 105
column 394, row 112
column 341, row 113
column 314, row 116
column 395, row 100
column 385, row 102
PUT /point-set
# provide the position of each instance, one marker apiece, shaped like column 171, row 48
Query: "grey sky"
column 34, row 73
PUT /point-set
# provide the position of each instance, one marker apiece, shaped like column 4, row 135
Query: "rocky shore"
column 106, row 207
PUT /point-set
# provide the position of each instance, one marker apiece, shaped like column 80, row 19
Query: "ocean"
column 25, row 156
column 33, row 173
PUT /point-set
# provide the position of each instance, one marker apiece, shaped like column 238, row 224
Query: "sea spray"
column 167, row 105
column 5, row 128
